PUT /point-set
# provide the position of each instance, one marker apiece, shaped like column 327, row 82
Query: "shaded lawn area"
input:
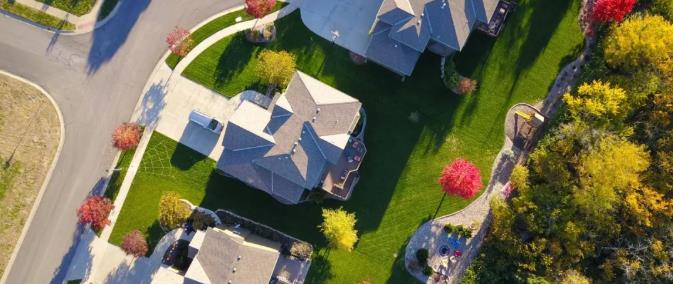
column 37, row 16
column 215, row 26
column 398, row 190
column 75, row 7
column 117, row 177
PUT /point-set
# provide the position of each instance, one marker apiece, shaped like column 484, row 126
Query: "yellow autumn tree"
column 596, row 102
column 613, row 164
column 647, row 206
column 640, row 42
column 172, row 211
column 339, row 228
column 276, row 67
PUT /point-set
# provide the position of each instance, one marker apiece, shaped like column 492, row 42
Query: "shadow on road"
column 62, row 270
column 152, row 104
column 108, row 39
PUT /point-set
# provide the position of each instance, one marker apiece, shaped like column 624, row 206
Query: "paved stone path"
column 478, row 215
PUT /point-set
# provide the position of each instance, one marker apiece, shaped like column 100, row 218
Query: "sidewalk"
column 84, row 23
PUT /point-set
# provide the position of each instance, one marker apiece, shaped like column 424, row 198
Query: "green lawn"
column 215, row 26
column 117, row 177
column 398, row 190
column 7, row 175
column 35, row 15
column 75, row 7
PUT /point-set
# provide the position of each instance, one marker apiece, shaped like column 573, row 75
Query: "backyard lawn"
column 414, row 128
column 215, row 26
column 37, row 16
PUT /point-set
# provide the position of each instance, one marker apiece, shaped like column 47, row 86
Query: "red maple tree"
column 95, row 211
column 461, row 178
column 134, row 243
column 126, row 136
column 179, row 41
column 259, row 8
column 611, row 10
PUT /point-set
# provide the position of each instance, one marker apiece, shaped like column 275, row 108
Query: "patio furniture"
column 457, row 253
column 357, row 158
column 454, row 243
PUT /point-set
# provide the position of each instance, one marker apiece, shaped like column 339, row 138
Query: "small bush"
column 427, row 270
column 134, row 244
column 201, row 220
column 451, row 76
column 466, row 86
column 460, row 230
column 301, row 250
column 422, row 256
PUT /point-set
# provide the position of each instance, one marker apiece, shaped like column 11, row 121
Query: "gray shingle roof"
column 225, row 257
column 414, row 22
column 294, row 153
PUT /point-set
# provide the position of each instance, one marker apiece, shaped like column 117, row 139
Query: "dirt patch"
column 29, row 137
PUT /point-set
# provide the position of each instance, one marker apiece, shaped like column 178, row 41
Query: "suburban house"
column 247, row 253
column 404, row 29
column 309, row 138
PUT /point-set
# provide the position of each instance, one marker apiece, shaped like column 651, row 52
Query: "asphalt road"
column 96, row 79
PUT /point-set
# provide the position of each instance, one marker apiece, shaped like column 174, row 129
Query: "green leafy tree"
column 276, row 67
column 641, row 41
column 338, row 226
column 172, row 211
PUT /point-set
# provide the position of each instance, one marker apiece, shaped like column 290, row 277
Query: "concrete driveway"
column 345, row 22
column 169, row 108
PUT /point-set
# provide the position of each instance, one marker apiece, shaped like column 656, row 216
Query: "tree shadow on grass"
column 321, row 269
column 234, row 59
column 155, row 233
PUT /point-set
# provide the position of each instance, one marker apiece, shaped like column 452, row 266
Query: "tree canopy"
column 461, row 178
column 338, row 226
column 172, row 211
column 259, row 8
column 276, row 67
column 640, row 41
column 126, row 136
column 95, row 211
column 611, row 10
column 597, row 102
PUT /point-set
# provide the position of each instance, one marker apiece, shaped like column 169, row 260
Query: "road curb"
column 47, row 178
column 61, row 32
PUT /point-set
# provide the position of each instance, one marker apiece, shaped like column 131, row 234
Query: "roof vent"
column 238, row 258
column 234, row 270
column 317, row 110
column 294, row 151
column 313, row 119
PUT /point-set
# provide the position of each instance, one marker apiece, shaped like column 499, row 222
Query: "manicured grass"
column 75, row 7
column 216, row 25
column 106, row 8
column 36, row 16
column 398, row 190
column 118, row 176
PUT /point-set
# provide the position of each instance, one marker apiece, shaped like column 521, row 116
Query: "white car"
column 205, row 121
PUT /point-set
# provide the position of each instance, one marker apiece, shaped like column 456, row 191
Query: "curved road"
column 96, row 80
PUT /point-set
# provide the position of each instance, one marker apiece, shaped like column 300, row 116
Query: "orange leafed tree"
column 95, row 211
column 461, row 178
column 179, row 41
column 126, row 136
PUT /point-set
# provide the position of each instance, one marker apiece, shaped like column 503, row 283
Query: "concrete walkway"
column 83, row 24
column 431, row 235
column 97, row 261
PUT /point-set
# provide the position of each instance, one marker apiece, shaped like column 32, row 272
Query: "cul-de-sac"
column 336, row 141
